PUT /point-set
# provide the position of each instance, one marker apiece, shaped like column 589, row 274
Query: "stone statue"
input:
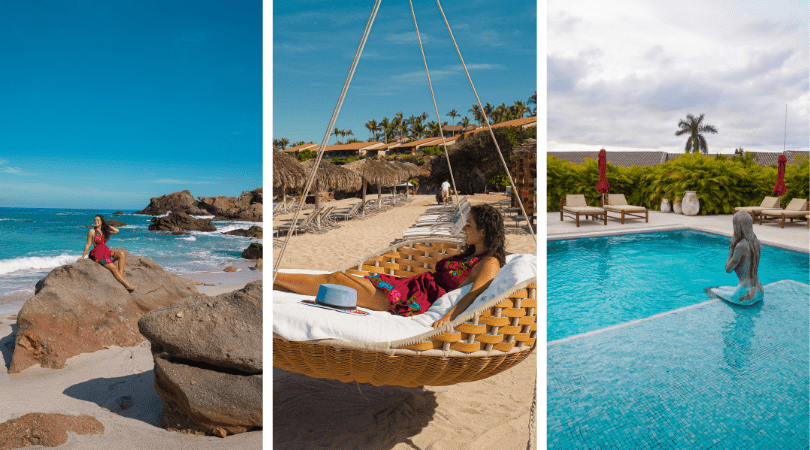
column 743, row 258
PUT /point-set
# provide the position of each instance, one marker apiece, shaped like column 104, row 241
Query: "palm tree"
column 499, row 114
column 465, row 122
column 417, row 129
column 276, row 143
column 284, row 142
column 372, row 128
column 348, row 133
column 336, row 133
column 479, row 117
column 694, row 128
column 385, row 124
column 424, row 116
column 453, row 114
column 520, row 109
column 533, row 101
column 397, row 122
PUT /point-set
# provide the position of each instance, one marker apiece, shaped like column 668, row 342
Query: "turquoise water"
column 33, row 241
column 598, row 282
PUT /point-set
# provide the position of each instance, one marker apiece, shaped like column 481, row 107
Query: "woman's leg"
column 112, row 268
column 368, row 296
column 120, row 260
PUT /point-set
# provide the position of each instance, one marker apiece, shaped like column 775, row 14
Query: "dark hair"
column 490, row 221
column 105, row 228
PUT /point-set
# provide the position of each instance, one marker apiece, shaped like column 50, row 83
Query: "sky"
column 622, row 74
column 314, row 43
column 107, row 104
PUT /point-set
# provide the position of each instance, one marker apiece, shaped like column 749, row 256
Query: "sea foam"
column 35, row 263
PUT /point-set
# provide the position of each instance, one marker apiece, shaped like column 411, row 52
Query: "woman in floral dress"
column 477, row 265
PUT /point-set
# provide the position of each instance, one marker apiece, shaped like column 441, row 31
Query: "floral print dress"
column 100, row 253
column 414, row 295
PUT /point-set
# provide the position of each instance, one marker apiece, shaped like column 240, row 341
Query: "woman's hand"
column 80, row 259
column 440, row 322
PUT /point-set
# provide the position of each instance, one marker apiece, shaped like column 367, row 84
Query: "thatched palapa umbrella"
column 373, row 171
column 406, row 171
column 287, row 173
column 330, row 176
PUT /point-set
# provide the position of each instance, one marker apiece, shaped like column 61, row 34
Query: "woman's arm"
column 87, row 245
column 113, row 230
column 489, row 269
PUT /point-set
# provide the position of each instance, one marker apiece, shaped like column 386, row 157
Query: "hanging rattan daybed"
column 478, row 344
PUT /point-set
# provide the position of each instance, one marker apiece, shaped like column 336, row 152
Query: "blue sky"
column 621, row 74
column 314, row 43
column 106, row 104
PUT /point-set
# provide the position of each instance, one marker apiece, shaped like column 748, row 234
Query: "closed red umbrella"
column 780, row 187
column 602, row 186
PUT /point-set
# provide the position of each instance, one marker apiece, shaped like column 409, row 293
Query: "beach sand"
column 313, row 413
column 115, row 386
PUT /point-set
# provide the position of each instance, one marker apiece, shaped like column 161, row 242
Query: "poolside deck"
column 795, row 236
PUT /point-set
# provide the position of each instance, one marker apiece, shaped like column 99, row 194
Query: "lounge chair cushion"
column 625, row 208
column 616, row 200
column 797, row 204
column 575, row 200
column 770, row 203
column 298, row 322
column 585, row 209
column 783, row 212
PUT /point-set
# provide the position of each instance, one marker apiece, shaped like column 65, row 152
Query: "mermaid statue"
column 743, row 258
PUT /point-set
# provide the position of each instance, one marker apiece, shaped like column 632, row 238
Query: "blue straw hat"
column 336, row 297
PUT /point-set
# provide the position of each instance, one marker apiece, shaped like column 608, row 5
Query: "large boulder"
column 181, row 201
column 81, row 308
column 208, row 361
column 253, row 232
column 178, row 222
column 247, row 207
column 116, row 223
column 253, row 251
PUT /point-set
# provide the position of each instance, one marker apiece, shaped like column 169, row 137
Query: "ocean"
column 34, row 241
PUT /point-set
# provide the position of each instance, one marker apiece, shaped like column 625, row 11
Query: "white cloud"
column 11, row 170
column 624, row 73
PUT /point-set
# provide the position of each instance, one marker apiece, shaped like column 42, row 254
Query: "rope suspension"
column 332, row 121
column 435, row 108
column 486, row 120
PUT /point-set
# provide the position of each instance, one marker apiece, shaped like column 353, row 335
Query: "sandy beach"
column 491, row 413
column 115, row 386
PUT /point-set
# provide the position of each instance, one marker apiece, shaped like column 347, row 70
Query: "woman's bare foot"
column 131, row 288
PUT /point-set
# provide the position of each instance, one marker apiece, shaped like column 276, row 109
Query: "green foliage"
column 497, row 178
column 255, row 246
column 721, row 183
column 436, row 150
column 306, row 154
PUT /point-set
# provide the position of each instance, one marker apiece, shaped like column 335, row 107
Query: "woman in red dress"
column 478, row 264
column 114, row 261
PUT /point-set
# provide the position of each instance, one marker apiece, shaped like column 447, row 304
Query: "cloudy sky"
column 621, row 74
column 314, row 42
column 106, row 104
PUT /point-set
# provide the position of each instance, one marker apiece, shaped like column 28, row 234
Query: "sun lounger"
column 796, row 209
column 304, row 224
column 576, row 206
column 767, row 203
column 616, row 203
column 347, row 214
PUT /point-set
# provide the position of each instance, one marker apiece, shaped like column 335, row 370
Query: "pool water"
column 595, row 283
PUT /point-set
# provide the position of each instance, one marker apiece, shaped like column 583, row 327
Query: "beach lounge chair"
column 482, row 342
column 304, row 224
column 796, row 209
column 347, row 214
column 767, row 203
column 576, row 206
column 616, row 203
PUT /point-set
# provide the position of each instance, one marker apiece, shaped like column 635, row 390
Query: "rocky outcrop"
column 231, row 269
column 81, row 308
column 47, row 430
column 253, row 251
column 117, row 213
column 246, row 207
column 181, row 201
column 208, row 361
column 252, row 232
column 116, row 223
column 179, row 223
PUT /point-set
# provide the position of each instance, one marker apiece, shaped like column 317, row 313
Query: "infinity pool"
column 594, row 283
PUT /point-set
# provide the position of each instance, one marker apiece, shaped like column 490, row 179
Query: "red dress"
column 100, row 253
column 414, row 295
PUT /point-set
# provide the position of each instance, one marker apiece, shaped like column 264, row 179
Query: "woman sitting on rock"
column 477, row 264
column 98, row 236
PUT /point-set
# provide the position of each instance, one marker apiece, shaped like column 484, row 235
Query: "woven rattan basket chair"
column 478, row 344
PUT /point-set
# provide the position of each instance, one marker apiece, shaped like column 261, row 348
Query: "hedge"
column 721, row 182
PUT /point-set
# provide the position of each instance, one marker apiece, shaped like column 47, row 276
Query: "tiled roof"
column 301, row 147
column 625, row 159
column 772, row 158
column 352, row 146
column 523, row 122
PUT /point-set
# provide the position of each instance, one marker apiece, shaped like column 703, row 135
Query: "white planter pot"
column 665, row 205
column 690, row 204
column 676, row 208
